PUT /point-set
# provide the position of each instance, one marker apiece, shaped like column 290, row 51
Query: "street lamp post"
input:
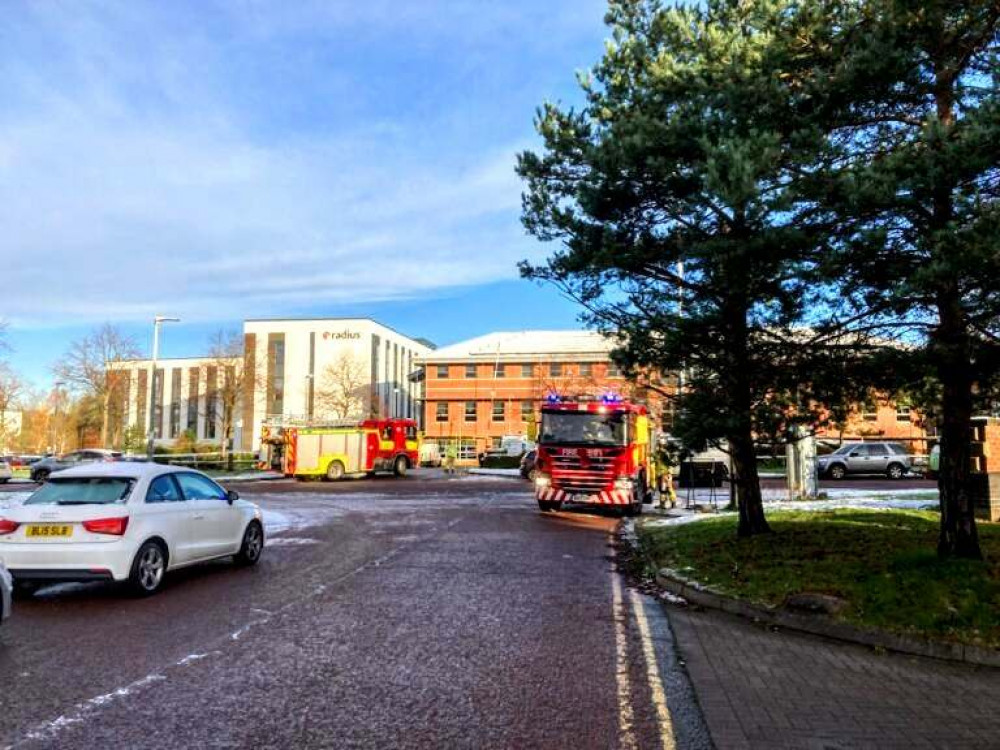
column 150, row 432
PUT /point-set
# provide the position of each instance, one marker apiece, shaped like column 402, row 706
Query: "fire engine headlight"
column 542, row 480
column 624, row 483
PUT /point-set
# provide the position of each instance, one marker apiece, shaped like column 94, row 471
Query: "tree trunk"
column 741, row 438
column 748, row 497
column 951, row 346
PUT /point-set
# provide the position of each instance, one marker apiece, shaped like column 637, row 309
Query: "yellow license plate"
column 49, row 530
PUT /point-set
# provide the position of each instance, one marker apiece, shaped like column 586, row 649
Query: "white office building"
column 324, row 368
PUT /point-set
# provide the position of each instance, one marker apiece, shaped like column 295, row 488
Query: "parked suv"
column 890, row 459
column 40, row 470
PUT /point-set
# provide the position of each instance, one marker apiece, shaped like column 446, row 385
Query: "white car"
column 6, row 473
column 6, row 589
column 126, row 522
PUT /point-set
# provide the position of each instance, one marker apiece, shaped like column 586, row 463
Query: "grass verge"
column 882, row 563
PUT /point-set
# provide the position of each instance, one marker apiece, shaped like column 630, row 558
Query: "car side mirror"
column 855, row 455
column 232, row 496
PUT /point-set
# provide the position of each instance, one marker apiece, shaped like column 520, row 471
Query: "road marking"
column 85, row 711
column 625, row 716
column 653, row 674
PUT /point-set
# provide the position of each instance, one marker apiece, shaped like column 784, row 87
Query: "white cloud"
column 133, row 181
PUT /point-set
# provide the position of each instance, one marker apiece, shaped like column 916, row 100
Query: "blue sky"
column 222, row 160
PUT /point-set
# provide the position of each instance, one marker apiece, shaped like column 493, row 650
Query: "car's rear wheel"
column 895, row 471
column 335, row 471
column 41, row 476
column 148, row 569
column 837, row 472
column 253, row 545
column 400, row 466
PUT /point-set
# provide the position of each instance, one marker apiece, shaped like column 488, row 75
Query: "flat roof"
column 513, row 344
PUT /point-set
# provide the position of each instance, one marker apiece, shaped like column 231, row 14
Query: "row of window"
column 442, row 411
column 902, row 415
column 554, row 369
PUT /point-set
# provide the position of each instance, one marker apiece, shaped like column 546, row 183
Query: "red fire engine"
column 332, row 450
column 594, row 451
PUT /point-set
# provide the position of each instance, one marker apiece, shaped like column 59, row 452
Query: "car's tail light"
column 7, row 527
column 112, row 526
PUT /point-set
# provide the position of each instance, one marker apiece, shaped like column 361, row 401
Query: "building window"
column 211, row 402
column 614, row 371
column 500, row 371
column 175, row 402
column 527, row 371
column 586, row 369
column 441, row 411
column 556, row 369
column 527, row 411
column 470, row 371
column 158, row 404
column 499, row 412
column 470, row 411
column 142, row 399
column 442, row 372
column 275, row 375
column 192, row 402
column 902, row 413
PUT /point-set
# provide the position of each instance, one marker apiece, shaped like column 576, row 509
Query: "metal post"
column 150, row 431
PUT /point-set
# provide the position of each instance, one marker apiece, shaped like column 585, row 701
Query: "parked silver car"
column 6, row 593
column 890, row 459
column 40, row 470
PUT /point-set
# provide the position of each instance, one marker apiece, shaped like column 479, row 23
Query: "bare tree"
column 343, row 389
column 92, row 367
column 237, row 376
column 11, row 388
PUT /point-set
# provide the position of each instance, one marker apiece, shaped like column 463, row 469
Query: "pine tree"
column 697, row 134
column 917, row 193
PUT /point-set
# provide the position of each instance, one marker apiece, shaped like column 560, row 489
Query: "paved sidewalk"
column 765, row 689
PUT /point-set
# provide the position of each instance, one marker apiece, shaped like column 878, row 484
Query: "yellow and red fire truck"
column 333, row 450
column 594, row 451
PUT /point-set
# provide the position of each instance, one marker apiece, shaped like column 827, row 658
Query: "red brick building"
column 477, row 391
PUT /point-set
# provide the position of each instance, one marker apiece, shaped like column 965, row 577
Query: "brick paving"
column 760, row 688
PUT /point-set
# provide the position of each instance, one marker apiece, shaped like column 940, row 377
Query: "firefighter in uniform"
column 666, row 459
column 450, row 456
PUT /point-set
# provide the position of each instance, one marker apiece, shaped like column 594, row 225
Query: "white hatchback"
column 126, row 522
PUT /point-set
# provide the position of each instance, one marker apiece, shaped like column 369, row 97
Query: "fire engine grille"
column 584, row 475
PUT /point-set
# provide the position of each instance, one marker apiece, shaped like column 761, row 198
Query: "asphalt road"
column 386, row 613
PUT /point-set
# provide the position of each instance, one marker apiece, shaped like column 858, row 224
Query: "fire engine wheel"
column 400, row 466
column 549, row 507
column 335, row 471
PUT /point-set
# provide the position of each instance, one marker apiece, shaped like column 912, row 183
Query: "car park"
column 6, row 471
column 890, row 459
column 126, row 522
column 41, row 470
column 6, row 593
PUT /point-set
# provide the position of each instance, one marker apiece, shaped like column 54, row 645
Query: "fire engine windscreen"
column 582, row 428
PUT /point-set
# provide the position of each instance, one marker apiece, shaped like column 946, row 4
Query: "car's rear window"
column 898, row 449
column 82, row 491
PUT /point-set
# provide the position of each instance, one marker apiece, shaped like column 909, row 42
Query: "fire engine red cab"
column 597, row 452
column 332, row 450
